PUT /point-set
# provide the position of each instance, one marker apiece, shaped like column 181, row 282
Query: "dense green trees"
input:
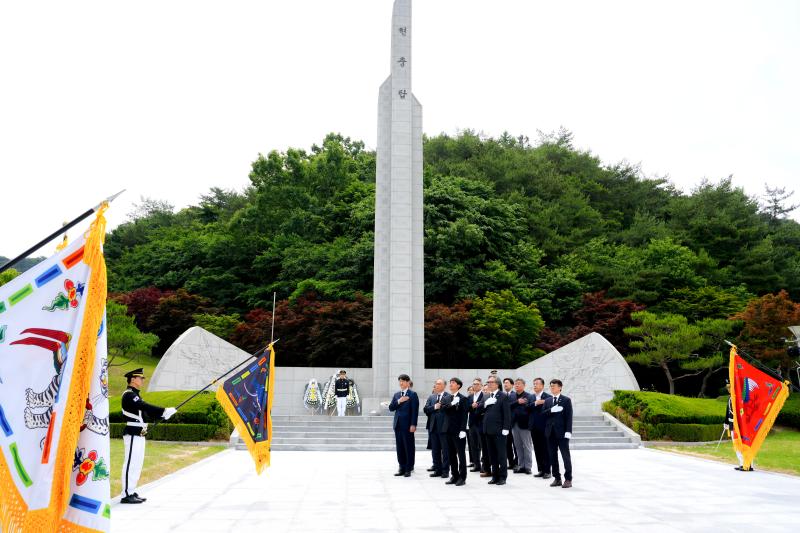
column 527, row 247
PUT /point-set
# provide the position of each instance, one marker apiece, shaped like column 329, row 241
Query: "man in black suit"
column 433, row 408
column 558, row 431
column 511, row 450
column 405, row 405
column 496, row 427
column 537, row 422
column 456, row 409
column 474, row 422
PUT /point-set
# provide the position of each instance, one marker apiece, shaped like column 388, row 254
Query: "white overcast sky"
column 168, row 98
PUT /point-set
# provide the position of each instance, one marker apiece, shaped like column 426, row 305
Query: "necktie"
column 403, row 393
column 439, row 398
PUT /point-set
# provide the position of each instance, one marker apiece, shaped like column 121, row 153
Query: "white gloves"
column 462, row 434
column 556, row 409
column 505, row 432
column 725, row 425
column 567, row 435
column 455, row 401
column 168, row 412
column 490, row 401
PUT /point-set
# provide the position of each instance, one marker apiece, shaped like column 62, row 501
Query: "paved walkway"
column 615, row 490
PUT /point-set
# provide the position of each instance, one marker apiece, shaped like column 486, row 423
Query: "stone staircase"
column 374, row 433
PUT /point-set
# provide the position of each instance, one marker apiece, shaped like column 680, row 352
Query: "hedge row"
column 657, row 416
column 177, row 432
column 200, row 419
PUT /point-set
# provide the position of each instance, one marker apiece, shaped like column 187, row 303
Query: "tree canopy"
column 542, row 238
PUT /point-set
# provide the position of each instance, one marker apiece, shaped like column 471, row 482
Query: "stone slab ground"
column 615, row 490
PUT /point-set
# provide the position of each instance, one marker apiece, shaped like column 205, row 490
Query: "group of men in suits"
column 537, row 423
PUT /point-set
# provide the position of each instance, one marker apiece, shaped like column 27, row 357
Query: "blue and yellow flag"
column 54, row 433
column 247, row 400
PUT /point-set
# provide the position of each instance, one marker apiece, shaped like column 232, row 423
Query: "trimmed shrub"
column 177, row 432
column 203, row 411
column 657, row 416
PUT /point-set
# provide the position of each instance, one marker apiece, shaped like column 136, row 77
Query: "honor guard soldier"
column 134, row 409
column 342, row 389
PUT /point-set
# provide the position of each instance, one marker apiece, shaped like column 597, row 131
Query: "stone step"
column 390, row 439
column 360, row 447
column 374, row 433
column 423, row 435
column 369, row 419
column 388, row 427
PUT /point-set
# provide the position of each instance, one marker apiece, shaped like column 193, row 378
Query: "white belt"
column 140, row 421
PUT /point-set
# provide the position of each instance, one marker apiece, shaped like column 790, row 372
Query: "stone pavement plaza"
column 615, row 490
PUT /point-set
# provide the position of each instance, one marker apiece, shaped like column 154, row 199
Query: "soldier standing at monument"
column 133, row 410
column 342, row 389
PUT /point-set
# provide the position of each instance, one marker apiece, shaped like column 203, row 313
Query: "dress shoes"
column 451, row 481
column 460, row 483
column 399, row 473
column 527, row 471
column 556, row 483
column 407, row 474
column 137, row 495
column 474, row 469
column 517, row 471
column 444, row 475
column 540, row 474
column 492, row 482
column 501, row 482
column 130, row 499
column 567, row 484
column 435, row 474
column 431, row 469
column 486, row 474
column 546, row 476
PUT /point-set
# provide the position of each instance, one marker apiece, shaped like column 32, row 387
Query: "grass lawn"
column 116, row 374
column 779, row 453
column 160, row 459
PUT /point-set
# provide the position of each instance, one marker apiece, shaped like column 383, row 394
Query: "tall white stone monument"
column 398, row 343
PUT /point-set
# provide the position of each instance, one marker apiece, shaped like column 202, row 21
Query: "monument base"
column 371, row 406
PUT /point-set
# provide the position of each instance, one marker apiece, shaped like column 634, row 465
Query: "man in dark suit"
column 537, row 423
column 511, row 451
column 456, row 409
column 433, row 408
column 474, row 422
column 496, row 427
column 405, row 405
column 558, row 431
column 521, row 404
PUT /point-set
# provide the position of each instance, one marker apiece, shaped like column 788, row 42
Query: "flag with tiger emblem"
column 756, row 397
column 54, row 431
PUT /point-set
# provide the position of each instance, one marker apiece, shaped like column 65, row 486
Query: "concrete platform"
column 615, row 490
